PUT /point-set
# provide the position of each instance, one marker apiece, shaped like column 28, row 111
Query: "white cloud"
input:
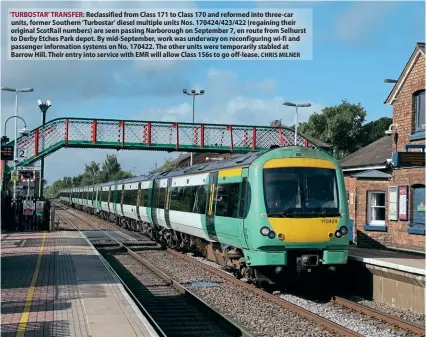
column 228, row 99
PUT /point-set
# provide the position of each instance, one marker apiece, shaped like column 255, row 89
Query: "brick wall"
column 367, row 238
column 401, row 238
column 396, row 235
column 404, row 105
column 350, row 184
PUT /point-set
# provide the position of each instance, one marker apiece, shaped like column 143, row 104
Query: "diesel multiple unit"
column 266, row 215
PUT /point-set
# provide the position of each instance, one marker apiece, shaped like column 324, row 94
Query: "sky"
column 356, row 45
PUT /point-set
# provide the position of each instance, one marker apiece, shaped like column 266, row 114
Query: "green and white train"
column 267, row 215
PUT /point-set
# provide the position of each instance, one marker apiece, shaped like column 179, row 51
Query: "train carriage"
column 283, row 210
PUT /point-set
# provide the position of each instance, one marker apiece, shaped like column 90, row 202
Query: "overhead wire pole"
column 302, row 105
column 193, row 93
column 44, row 106
column 15, row 156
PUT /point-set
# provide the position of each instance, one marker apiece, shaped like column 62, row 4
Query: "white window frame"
column 369, row 212
column 417, row 110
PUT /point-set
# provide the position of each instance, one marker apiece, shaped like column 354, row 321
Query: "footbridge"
column 150, row 135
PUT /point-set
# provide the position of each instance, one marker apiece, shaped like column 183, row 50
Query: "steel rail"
column 403, row 324
column 135, row 299
column 330, row 325
column 227, row 323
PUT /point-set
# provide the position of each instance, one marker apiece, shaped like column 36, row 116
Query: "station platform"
column 56, row 284
column 394, row 278
column 405, row 262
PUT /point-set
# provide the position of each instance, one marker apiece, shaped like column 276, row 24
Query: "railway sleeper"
column 230, row 258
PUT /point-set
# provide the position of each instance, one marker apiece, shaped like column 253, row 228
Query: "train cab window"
column 227, row 200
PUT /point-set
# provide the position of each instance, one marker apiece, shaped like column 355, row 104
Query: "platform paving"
column 409, row 263
column 55, row 284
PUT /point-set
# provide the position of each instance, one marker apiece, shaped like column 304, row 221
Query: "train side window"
column 227, row 200
column 200, row 200
column 159, row 197
column 181, row 198
column 144, row 198
column 134, row 197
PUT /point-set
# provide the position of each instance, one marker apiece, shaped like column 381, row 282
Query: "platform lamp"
column 23, row 132
column 44, row 106
column 193, row 93
column 297, row 105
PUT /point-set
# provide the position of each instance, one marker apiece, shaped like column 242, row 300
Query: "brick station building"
column 385, row 181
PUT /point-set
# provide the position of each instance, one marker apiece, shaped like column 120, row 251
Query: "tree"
column 169, row 164
column 340, row 125
column 374, row 130
column 110, row 168
column 92, row 174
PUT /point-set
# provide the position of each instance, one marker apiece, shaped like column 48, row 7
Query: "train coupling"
column 309, row 260
column 306, row 262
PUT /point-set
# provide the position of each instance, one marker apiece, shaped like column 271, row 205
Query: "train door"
column 229, row 198
column 146, row 201
column 120, row 199
column 115, row 199
column 210, row 208
column 138, row 201
column 109, row 199
column 99, row 199
column 159, row 202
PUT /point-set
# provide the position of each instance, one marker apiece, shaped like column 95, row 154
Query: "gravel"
column 68, row 222
column 397, row 312
column 249, row 310
column 258, row 315
column 362, row 324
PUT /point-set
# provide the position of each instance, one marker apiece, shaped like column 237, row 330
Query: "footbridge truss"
column 154, row 136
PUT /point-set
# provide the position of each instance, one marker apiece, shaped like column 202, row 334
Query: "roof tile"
column 375, row 153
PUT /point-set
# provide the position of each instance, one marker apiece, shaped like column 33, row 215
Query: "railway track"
column 174, row 309
column 322, row 321
column 408, row 326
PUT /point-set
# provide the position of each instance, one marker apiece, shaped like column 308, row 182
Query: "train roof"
column 237, row 160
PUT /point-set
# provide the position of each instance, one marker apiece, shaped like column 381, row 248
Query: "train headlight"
column 265, row 231
column 271, row 235
column 344, row 230
column 338, row 234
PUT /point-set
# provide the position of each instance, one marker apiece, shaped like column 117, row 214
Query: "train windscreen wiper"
column 323, row 212
column 285, row 213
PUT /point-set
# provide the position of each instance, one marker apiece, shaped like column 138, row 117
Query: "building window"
column 417, row 223
column 376, row 208
column 419, row 106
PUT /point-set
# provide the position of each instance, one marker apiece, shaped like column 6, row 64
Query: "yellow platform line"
column 26, row 313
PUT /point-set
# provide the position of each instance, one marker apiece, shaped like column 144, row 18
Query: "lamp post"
column 193, row 93
column 44, row 106
column 302, row 105
column 16, row 91
column 388, row 80
column 24, row 132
